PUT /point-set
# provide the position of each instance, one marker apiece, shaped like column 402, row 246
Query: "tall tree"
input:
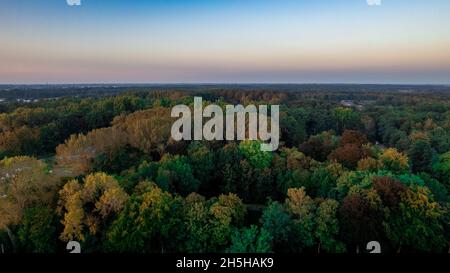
column 251, row 240
column 442, row 169
column 201, row 159
column 175, row 174
column 276, row 220
column 196, row 222
column 361, row 215
column 418, row 214
column 301, row 207
column 148, row 223
column 421, row 156
column 86, row 208
column 38, row 230
column 394, row 161
column 24, row 181
column 327, row 227
column 226, row 213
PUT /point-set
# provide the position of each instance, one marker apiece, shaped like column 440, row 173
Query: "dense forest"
column 355, row 164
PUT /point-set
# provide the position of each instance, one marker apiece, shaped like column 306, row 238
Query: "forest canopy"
column 354, row 165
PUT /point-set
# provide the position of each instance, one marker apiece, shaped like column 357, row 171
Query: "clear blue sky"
column 226, row 41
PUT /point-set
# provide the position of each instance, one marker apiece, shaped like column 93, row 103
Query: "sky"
column 225, row 41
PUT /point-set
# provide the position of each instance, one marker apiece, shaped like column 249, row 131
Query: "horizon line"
column 225, row 83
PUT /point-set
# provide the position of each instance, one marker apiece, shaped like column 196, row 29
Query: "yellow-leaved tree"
column 24, row 181
column 87, row 206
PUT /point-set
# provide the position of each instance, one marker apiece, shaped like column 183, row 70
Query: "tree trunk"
column 11, row 238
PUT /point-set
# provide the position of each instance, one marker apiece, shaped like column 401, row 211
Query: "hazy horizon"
column 225, row 42
column 223, row 84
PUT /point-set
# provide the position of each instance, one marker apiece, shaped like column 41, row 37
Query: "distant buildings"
column 27, row 100
column 350, row 103
column 347, row 103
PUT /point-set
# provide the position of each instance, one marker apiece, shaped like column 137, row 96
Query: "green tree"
column 442, row 169
column 301, row 208
column 197, row 225
column 421, row 156
column 38, row 230
column 293, row 126
column 276, row 220
column 226, row 213
column 321, row 182
column 251, row 151
column 346, row 118
column 229, row 166
column 201, row 159
column 175, row 174
column 251, row 240
column 327, row 227
column 148, row 223
column 418, row 223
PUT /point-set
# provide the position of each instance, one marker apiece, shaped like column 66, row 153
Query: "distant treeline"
column 43, row 91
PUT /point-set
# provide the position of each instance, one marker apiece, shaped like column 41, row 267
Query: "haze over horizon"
column 225, row 41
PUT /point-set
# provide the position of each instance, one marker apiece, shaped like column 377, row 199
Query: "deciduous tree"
column 251, row 240
column 87, row 207
column 24, row 181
